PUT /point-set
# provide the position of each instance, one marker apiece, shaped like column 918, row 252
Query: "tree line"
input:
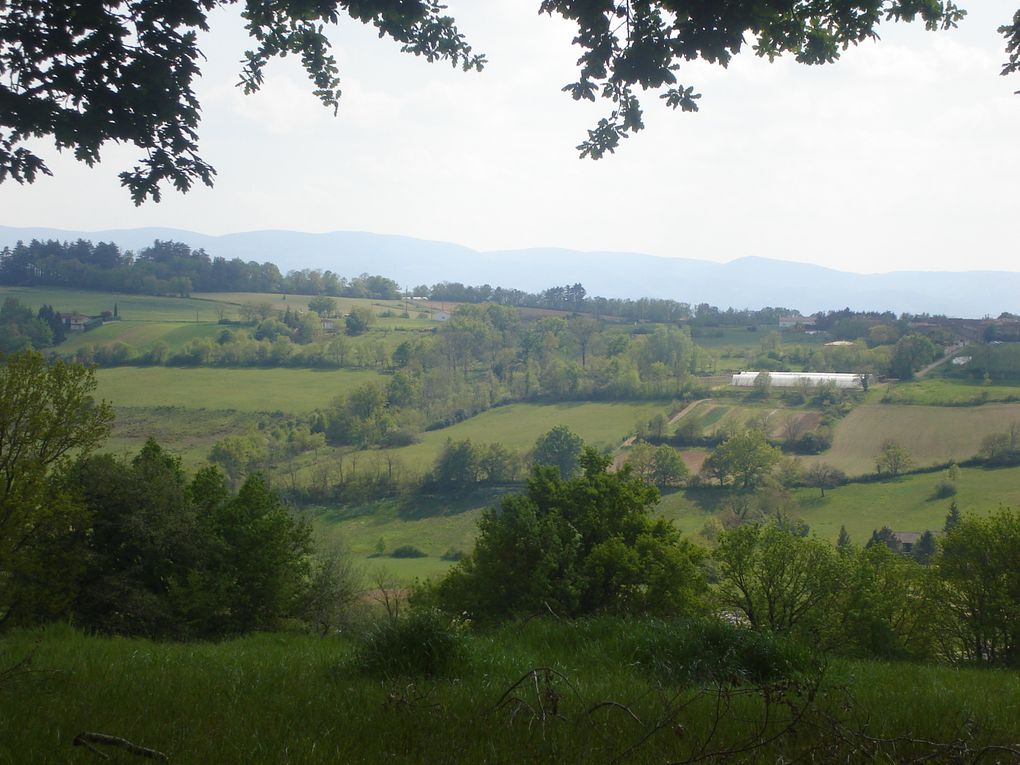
column 169, row 268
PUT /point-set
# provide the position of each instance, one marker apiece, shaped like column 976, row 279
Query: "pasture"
column 281, row 302
column 129, row 307
column 294, row 391
column 188, row 433
column 906, row 503
column 721, row 415
column 946, row 391
column 141, row 335
column 435, row 525
column 517, row 427
column 932, row 434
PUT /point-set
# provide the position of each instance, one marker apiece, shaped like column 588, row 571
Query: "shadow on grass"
column 419, row 506
column 707, row 500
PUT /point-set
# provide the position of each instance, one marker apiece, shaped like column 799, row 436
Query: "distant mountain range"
column 749, row 282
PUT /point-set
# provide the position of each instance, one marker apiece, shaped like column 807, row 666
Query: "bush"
column 713, row 651
column 423, row 644
column 944, row 489
column 453, row 555
column 398, row 437
column 408, row 551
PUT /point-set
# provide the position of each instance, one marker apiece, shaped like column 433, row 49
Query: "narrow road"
column 950, row 352
column 619, row 459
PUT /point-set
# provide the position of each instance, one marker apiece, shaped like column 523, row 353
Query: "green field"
column 344, row 305
column 518, row 426
column 903, row 504
column 144, row 319
column 129, row 307
column 717, row 415
column 294, row 391
column 142, row 335
column 941, row 391
column 435, row 525
column 932, row 434
column 188, row 433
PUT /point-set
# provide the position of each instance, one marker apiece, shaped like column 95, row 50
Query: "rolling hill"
column 745, row 282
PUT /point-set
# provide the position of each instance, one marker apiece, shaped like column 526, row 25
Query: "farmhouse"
column 905, row 540
column 790, row 379
column 789, row 322
column 77, row 322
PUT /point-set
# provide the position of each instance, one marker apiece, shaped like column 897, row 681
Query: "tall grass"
column 293, row 698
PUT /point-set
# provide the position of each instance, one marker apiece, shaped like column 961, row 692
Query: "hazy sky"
column 903, row 155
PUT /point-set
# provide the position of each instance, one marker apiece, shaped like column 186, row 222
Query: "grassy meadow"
column 906, row 503
column 142, row 335
column 419, row 312
column 129, row 307
column 941, row 391
column 295, row 391
column 146, row 319
column 292, row 698
column 932, row 434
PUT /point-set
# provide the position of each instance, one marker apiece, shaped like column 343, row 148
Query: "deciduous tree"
column 48, row 418
column 893, row 458
column 745, row 457
column 579, row 546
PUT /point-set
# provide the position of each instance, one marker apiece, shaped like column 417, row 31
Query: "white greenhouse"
column 790, row 379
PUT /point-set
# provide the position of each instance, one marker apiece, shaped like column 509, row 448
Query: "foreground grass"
column 278, row 698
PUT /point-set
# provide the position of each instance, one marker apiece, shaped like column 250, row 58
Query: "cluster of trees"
column 998, row 449
column 587, row 544
column 990, row 362
column 134, row 545
column 463, row 465
column 169, row 268
column 21, row 329
column 575, row 546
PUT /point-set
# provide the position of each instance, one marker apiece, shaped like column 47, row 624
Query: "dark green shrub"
column 408, row 551
column 423, row 644
column 688, row 653
column 944, row 489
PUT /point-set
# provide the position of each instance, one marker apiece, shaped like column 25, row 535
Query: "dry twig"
column 87, row 740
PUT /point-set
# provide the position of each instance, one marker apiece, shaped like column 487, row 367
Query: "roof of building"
column 906, row 537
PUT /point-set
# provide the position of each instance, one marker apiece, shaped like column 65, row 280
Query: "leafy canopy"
column 576, row 546
column 47, row 418
column 87, row 73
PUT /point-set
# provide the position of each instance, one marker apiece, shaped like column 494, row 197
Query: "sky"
column 904, row 155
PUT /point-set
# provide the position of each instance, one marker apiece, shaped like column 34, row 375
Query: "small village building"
column 789, row 322
column 905, row 540
column 328, row 325
column 792, row 379
column 77, row 322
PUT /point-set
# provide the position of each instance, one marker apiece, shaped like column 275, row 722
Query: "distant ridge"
column 748, row 282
